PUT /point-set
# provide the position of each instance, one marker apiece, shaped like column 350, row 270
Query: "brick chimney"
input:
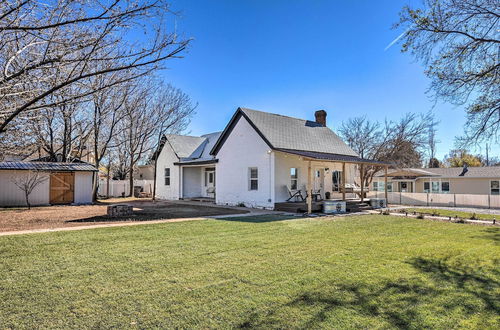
column 320, row 117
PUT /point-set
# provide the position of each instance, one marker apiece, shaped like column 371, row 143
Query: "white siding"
column 11, row 195
column 192, row 182
column 244, row 148
column 83, row 188
column 166, row 159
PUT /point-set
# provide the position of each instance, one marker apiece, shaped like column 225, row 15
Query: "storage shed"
column 64, row 183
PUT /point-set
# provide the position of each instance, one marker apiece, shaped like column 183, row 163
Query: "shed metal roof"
column 48, row 166
column 332, row 157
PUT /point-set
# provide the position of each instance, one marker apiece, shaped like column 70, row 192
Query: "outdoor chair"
column 297, row 194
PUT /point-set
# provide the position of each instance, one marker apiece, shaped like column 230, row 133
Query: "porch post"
column 362, row 178
column 343, row 181
column 385, row 185
column 309, row 188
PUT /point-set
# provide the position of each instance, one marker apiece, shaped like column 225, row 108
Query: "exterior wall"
column 11, row 195
column 166, row 159
column 192, row 182
column 145, row 172
column 83, row 188
column 474, row 186
column 285, row 161
column 244, row 148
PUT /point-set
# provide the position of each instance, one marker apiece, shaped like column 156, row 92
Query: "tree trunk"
column 27, row 200
column 131, row 177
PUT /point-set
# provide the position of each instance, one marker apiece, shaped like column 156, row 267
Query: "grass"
column 352, row 272
column 452, row 213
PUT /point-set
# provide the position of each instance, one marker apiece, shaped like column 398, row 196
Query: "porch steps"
column 357, row 206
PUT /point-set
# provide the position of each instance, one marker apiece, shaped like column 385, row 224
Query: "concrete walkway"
column 252, row 212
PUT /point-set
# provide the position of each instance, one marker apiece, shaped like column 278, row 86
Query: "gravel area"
column 51, row 217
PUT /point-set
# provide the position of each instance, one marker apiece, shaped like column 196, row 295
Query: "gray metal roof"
column 48, row 166
column 185, row 146
column 452, row 172
column 284, row 132
column 193, row 149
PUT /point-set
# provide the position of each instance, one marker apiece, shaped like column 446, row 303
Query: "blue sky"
column 295, row 57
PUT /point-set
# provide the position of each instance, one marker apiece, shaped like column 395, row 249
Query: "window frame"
column 252, row 179
column 167, row 176
column 294, row 178
column 497, row 190
column 441, row 187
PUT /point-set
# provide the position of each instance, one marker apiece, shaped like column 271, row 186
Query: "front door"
column 62, row 185
column 406, row 186
column 319, row 181
column 210, row 182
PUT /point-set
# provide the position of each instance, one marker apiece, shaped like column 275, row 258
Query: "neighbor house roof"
column 451, row 172
column 48, row 166
column 287, row 133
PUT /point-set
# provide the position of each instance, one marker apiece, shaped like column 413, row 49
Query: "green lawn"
column 452, row 213
column 353, row 272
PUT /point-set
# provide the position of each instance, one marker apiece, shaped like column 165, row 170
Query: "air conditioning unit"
column 334, row 206
column 378, row 203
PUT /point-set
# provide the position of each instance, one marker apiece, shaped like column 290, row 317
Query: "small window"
column 427, row 187
column 375, row 186
column 167, row 177
column 294, row 177
column 389, row 186
column 435, row 186
column 445, row 187
column 495, row 187
column 253, row 178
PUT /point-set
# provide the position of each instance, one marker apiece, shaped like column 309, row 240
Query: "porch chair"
column 297, row 194
column 211, row 192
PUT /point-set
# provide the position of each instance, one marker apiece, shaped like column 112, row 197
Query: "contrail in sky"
column 396, row 40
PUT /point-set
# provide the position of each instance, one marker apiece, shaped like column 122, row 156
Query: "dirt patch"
column 70, row 216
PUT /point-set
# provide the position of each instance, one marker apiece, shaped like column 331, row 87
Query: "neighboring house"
column 256, row 160
column 455, row 180
column 66, row 183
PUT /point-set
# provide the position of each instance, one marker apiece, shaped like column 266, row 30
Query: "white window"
column 427, row 187
column 294, row 178
column 167, row 176
column 253, row 178
column 380, row 186
column 438, row 187
column 375, row 186
column 495, row 187
column 435, row 186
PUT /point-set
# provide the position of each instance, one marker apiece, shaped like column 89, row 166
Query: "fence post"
column 427, row 199
column 489, row 201
column 400, row 198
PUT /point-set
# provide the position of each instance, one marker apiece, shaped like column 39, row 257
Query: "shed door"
column 62, row 187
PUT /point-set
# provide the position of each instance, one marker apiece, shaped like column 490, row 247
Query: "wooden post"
column 362, row 178
column 385, row 185
column 343, row 181
column 309, row 188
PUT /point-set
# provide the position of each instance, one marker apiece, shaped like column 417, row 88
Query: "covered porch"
column 197, row 180
column 328, row 177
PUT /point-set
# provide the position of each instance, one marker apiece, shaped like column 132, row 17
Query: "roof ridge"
column 277, row 114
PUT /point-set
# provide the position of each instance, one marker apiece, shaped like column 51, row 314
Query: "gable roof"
column 452, row 172
column 282, row 132
column 183, row 145
column 191, row 149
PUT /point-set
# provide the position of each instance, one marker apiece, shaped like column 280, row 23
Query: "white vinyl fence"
column 429, row 199
column 119, row 188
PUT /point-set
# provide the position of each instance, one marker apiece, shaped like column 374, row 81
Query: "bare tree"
column 150, row 111
column 458, row 42
column 49, row 46
column 27, row 183
column 401, row 143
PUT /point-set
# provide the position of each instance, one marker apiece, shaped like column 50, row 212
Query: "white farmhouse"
column 259, row 160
